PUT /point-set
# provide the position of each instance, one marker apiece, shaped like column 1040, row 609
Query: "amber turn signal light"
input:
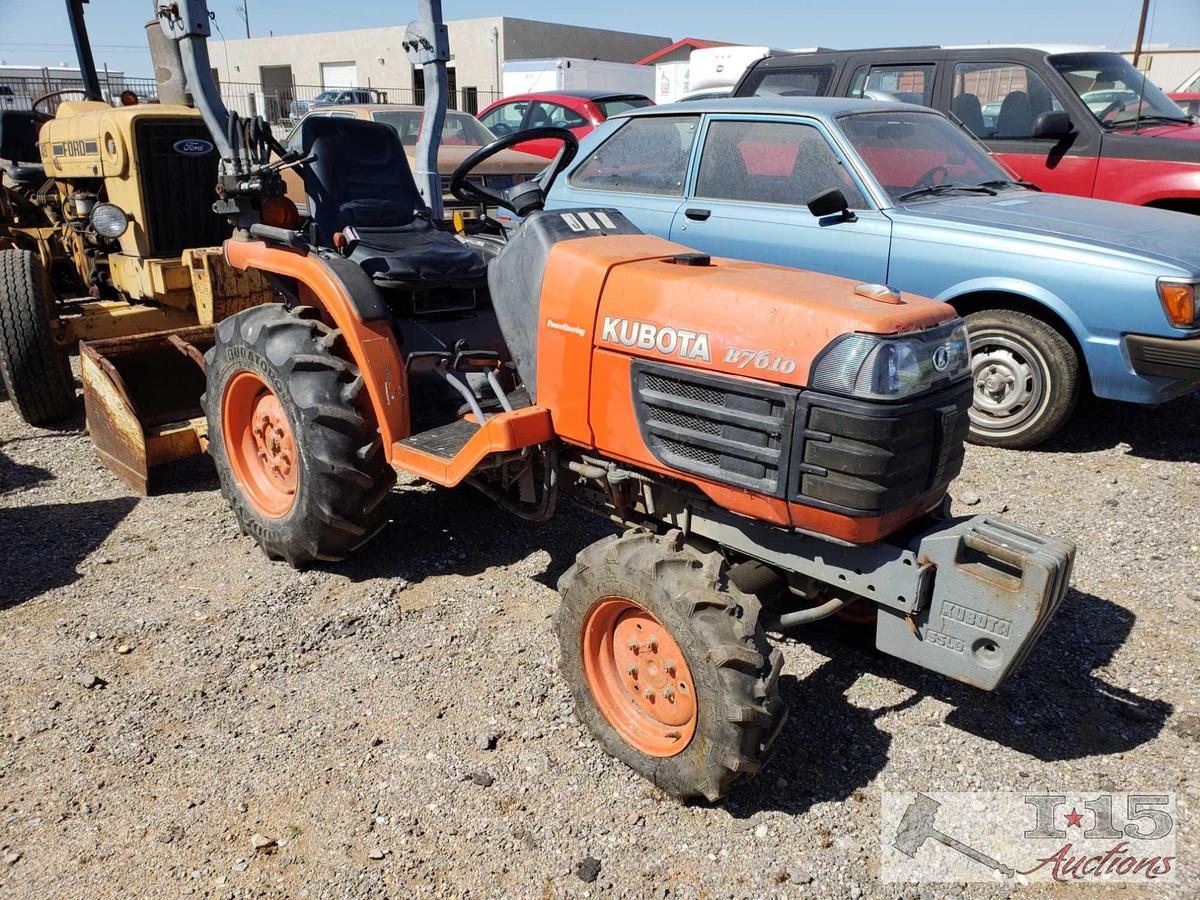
column 280, row 212
column 1179, row 300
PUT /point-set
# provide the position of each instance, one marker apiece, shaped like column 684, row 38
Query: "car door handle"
column 698, row 215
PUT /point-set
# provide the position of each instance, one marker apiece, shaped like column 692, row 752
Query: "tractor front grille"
column 864, row 458
column 854, row 457
column 728, row 429
column 178, row 189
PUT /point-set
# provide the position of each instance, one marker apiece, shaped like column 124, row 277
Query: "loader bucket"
column 142, row 399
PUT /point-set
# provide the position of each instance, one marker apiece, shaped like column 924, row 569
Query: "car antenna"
column 1137, row 121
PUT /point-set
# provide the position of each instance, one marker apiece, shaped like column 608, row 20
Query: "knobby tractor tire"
column 1049, row 355
column 733, row 670
column 36, row 373
column 339, row 477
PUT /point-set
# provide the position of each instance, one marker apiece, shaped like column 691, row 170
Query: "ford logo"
column 193, row 147
column 941, row 358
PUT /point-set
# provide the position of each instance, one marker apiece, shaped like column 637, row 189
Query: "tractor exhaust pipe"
column 83, row 50
column 168, row 66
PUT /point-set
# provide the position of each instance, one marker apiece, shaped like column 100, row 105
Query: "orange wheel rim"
column 259, row 444
column 638, row 677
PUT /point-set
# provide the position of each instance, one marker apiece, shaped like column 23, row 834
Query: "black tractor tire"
column 36, row 372
column 343, row 475
column 1004, row 342
column 735, row 672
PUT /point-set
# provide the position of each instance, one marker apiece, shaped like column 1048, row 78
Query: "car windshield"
column 460, row 129
column 325, row 96
column 615, row 105
column 1118, row 95
column 916, row 155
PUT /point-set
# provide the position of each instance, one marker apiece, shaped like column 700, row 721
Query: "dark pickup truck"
column 1070, row 120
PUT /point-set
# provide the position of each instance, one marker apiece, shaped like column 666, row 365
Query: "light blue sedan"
column 1060, row 293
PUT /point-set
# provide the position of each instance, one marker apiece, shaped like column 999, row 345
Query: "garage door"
column 339, row 74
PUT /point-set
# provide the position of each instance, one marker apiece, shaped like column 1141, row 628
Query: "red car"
column 580, row 111
column 1070, row 120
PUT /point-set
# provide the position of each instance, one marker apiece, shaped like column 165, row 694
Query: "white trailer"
column 563, row 73
column 719, row 68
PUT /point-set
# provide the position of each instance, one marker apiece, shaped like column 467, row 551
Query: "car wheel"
column 1026, row 379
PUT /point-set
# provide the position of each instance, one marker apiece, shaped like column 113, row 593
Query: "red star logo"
column 1074, row 818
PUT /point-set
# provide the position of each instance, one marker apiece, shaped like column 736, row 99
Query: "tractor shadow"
column 1054, row 709
column 441, row 531
column 42, row 545
column 1170, row 432
column 16, row 476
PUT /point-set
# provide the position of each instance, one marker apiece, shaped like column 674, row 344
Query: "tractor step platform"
column 444, row 441
column 447, row 454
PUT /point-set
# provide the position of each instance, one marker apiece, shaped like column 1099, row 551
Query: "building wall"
column 479, row 48
column 1168, row 68
column 239, row 61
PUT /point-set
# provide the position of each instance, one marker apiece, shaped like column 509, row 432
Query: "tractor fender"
column 350, row 302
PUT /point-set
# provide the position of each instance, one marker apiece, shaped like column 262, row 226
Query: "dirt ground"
column 179, row 716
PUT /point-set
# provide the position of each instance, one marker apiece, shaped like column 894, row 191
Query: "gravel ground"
column 180, row 716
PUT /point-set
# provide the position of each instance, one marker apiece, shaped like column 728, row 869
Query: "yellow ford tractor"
column 106, row 231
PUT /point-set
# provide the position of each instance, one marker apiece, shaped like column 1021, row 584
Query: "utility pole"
column 244, row 9
column 1137, row 47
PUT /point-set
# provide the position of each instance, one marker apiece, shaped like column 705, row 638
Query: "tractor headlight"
column 880, row 367
column 1181, row 302
column 109, row 220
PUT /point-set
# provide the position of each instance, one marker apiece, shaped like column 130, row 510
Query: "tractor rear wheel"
column 667, row 663
column 36, row 373
column 299, row 462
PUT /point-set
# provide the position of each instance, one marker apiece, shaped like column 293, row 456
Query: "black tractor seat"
column 400, row 250
column 363, row 201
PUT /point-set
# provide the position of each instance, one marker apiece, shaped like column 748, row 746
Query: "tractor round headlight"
column 109, row 220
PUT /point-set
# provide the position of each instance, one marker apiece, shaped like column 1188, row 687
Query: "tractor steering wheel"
column 521, row 198
column 44, row 97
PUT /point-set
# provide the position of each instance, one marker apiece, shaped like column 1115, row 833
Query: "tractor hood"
column 1154, row 236
column 739, row 317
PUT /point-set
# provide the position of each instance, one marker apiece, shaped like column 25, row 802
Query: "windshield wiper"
column 1005, row 182
column 1133, row 123
column 935, row 189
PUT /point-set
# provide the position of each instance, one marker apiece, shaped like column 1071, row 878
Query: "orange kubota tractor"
column 736, row 417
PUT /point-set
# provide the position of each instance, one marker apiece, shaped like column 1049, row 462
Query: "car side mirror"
column 1054, row 124
column 831, row 203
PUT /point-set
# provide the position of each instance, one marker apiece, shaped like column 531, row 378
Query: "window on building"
column 771, row 162
column 1000, row 100
column 907, row 84
column 451, row 85
column 646, row 156
column 470, row 100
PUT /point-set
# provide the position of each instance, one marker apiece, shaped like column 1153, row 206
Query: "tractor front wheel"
column 668, row 665
column 36, row 373
column 299, row 462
